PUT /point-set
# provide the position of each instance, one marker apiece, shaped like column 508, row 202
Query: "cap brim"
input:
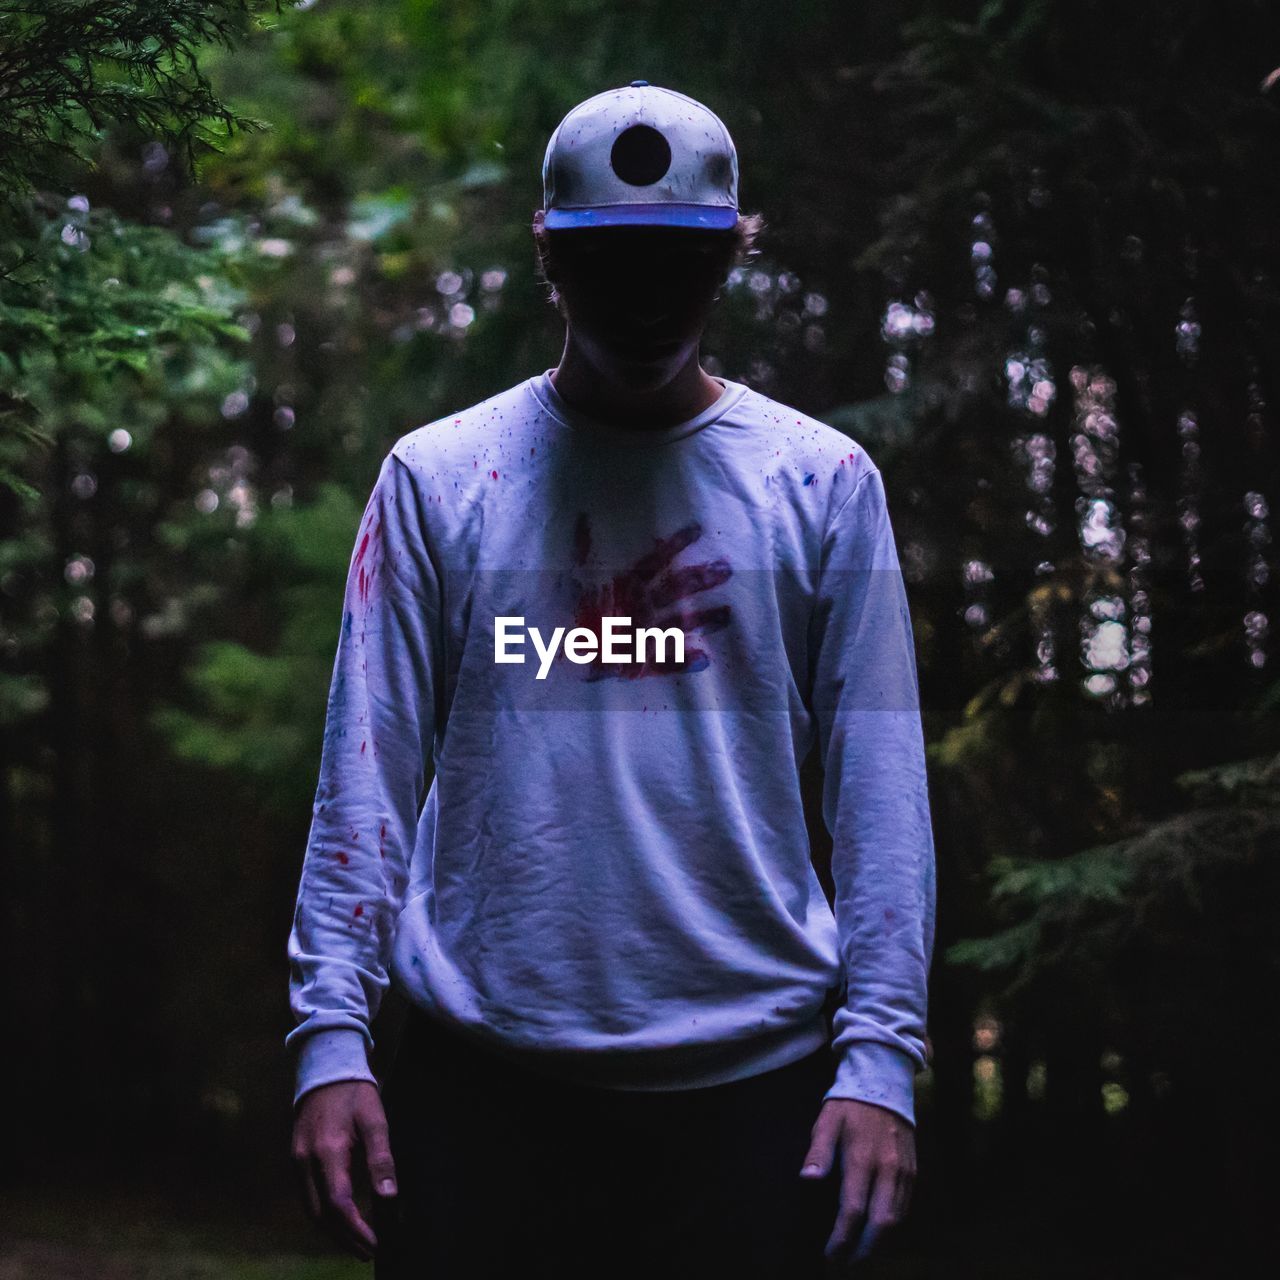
column 708, row 217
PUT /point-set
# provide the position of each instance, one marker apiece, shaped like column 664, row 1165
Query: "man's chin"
column 649, row 373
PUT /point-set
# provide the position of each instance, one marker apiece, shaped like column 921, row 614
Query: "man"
column 610, row 610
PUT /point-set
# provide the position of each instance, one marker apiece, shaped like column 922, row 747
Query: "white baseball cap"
column 640, row 156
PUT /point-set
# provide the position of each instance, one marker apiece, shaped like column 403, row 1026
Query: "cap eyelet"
column 640, row 155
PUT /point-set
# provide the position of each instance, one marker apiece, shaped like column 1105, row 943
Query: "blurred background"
column 1025, row 252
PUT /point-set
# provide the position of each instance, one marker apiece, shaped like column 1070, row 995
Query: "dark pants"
column 502, row 1170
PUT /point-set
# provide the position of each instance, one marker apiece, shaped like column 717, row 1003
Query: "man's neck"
column 687, row 394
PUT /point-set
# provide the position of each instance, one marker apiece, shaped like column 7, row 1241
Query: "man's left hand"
column 877, row 1149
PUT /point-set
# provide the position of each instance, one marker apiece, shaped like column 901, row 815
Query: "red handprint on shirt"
column 652, row 593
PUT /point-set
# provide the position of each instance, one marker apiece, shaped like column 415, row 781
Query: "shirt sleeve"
column 377, row 749
column 875, row 803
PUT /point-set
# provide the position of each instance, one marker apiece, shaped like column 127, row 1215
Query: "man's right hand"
column 331, row 1121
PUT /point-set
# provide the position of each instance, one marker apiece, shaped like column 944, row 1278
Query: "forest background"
column 1024, row 251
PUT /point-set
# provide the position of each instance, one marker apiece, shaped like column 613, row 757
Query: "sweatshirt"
column 578, row 669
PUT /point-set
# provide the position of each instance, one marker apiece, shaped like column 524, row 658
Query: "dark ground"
column 135, row 1233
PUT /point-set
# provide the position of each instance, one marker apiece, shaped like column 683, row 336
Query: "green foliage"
column 73, row 68
column 113, row 296
column 1077, row 913
column 85, row 294
column 250, row 705
column 373, row 214
column 1254, row 782
column 262, row 715
column 102, row 307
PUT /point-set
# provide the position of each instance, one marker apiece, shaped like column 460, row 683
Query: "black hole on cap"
column 640, row 155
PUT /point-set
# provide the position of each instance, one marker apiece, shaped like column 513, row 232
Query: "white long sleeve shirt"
column 601, row 870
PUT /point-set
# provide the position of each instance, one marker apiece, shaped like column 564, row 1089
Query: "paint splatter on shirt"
column 605, row 872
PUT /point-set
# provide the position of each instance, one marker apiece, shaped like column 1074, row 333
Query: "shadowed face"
column 638, row 298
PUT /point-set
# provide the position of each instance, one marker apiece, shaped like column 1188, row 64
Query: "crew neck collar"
column 555, row 404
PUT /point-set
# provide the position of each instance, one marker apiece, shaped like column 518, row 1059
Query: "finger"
column 665, row 550
column 880, row 1211
column 821, row 1154
column 854, row 1187
column 376, row 1138
column 712, row 618
column 307, row 1184
column 342, row 1210
column 903, row 1187
column 905, row 1181
column 676, row 584
column 694, row 660
column 331, row 1218
column 871, row 1232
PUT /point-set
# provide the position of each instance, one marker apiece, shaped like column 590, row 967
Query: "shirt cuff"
column 325, row 1057
column 869, row 1071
